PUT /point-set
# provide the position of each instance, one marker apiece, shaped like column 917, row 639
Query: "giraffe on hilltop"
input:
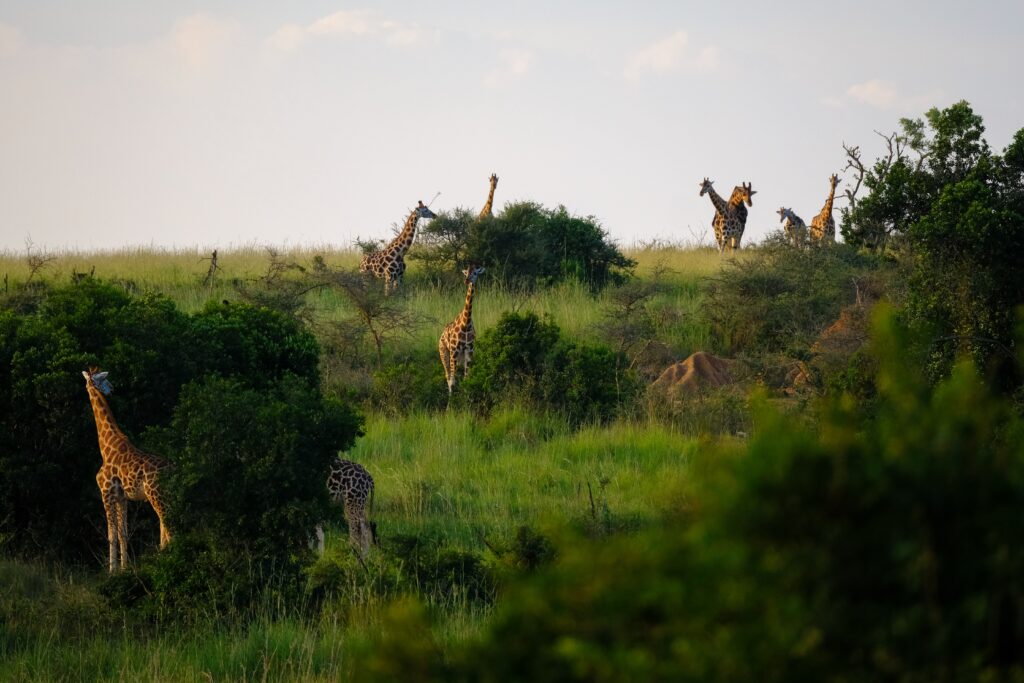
column 730, row 218
column 489, row 204
column 457, row 340
column 126, row 474
column 389, row 263
column 823, row 226
column 795, row 228
column 351, row 485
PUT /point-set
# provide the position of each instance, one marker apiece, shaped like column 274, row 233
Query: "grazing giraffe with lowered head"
column 351, row 485
column 457, row 340
column 389, row 263
column 823, row 226
column 730, row 218
column 126, row 474
column 795, row 228
column 489, row 204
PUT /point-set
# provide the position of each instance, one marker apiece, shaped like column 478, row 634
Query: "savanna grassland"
column 459, row 479
column 833, row 493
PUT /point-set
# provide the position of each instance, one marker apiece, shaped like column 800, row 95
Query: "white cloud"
column 355, row 22
column 202, row 39
column 10, row 40
column 669, row 55
column 882, row 94
column 875, row 93
column 287, row 38
column 359, row 23
column 513, row 64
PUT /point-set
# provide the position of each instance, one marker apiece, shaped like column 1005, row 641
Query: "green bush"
column 49, row 502
column 779, row 298
column 407, row 385
column 249, row 470
column 525, row 359
column 525, row 245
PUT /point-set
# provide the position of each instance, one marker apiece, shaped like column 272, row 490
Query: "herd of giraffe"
column 731, row 217
column 128, row 473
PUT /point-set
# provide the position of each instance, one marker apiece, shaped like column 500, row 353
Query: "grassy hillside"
column 465, row 481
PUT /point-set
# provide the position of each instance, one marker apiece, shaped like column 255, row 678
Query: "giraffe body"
column 486, row 212
column 823, row 226
column 388, row 264
column 730, row 218
column 127, row 474
column 795, row 228
column 351, row 485
column 458, row 339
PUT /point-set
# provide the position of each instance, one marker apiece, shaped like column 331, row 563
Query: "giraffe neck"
column 827, row 210
column 467, row 310
column 401, row 243
column 716, row 199
column 106, row 426
column 736, row 199
column 489, row 204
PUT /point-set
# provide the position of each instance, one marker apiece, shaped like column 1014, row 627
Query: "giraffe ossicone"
column 388, row 264
column 127, row 473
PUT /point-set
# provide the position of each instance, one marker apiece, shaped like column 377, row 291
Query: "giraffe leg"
column 122, row 528
column 153, row 496
column 110, row 510
column 442, row 350
column 467, row 358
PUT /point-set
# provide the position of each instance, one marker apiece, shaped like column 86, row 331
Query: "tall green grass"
column 179, row 274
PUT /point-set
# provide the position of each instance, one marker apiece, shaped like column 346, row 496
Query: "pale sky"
column 224, row 123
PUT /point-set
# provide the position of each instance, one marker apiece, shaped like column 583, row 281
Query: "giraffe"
column 795, row 228
column 486, row 211
column 456, row 342
column 389, row 262
column 126, row 474
column 730, row 217
column 350, row 484
column 823, row 226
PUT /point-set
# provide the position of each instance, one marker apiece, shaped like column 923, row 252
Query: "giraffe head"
column 784, row 213
column 833, row 181
column 472, row 273
column 423, row 211
column 494, row 180
column 97, row 379
column 706, row 186
column 746, row 192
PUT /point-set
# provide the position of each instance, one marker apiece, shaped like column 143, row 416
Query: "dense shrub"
column 250, row 466
column 410, row 384
column 524, row 358
column 525, row 245
column 254, row 344
column 49, row 502
column 779, row 297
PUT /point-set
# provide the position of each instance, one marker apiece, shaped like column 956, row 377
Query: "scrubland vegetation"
column 846, row 507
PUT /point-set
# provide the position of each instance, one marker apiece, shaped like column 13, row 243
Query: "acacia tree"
column 956, row 207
